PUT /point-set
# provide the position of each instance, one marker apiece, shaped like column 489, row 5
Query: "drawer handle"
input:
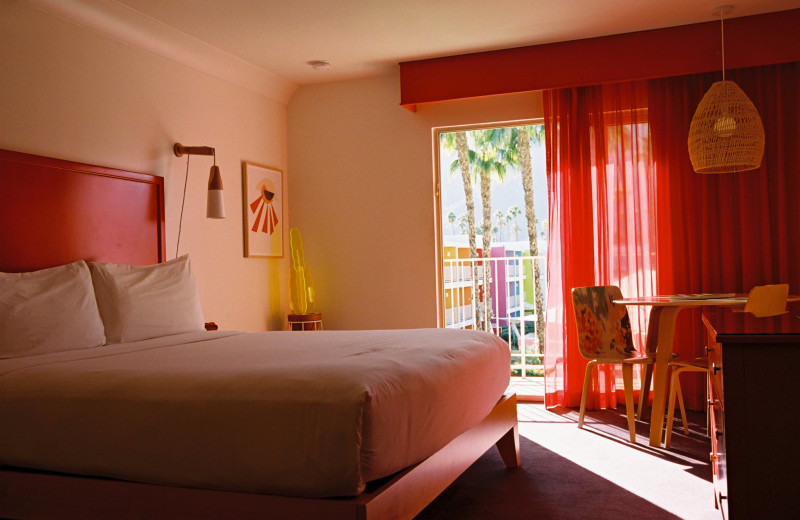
column 716, row 368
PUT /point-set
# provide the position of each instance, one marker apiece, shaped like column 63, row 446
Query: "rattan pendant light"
column 726, row 134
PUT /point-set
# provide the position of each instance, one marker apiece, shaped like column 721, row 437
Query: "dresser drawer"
column 716, row 404
column 754, row 363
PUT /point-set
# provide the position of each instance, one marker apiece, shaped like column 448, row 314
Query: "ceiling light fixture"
column 320, row 65
column 726, row 134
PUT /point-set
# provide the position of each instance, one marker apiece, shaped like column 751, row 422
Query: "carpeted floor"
column 594, row 473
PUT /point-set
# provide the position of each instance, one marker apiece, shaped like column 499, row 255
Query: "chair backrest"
column 767, row 300
column 604, row 329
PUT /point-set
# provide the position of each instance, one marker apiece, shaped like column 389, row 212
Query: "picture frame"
column 262, row 197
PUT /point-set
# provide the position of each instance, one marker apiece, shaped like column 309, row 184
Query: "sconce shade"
column 215, row 207
column 726, row 134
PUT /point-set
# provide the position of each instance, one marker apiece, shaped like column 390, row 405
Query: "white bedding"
column 305, row 414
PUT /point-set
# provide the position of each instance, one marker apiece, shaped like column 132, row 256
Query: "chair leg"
column 644, row 392
column 587, row 379
column 671, row 406
column 627, row 380
column 680, row 403
column 675, row 389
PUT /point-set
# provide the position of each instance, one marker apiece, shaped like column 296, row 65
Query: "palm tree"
column 499, row 215
column 516, row 229
column 513, row 144
column 451, row 218
column 458, row 141
column 462, row 223
column 487, row 162
column 513, row 213
column 494, row 151
column 521, row 143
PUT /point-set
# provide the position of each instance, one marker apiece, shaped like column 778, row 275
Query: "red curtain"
column 681, row 231
column 727, row 232
column 600, row 194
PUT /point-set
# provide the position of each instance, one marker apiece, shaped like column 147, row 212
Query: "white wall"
column 359, row 180
column 362, row 182
column 72, row 93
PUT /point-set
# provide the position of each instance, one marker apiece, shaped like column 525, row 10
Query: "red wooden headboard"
column 54, row 212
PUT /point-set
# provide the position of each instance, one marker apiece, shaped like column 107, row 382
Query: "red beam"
column 687, row 49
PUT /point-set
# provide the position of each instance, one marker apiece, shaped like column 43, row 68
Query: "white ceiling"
column 369, row 37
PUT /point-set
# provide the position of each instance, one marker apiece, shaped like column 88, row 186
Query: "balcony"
column 503, row 286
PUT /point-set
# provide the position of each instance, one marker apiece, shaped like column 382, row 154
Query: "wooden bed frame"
column 59, row 212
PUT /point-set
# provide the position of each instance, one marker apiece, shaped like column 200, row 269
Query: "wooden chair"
column 767, row 300
column 762, row 301
column 604, row 336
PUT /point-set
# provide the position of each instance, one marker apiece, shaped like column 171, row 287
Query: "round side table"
column 304, row 322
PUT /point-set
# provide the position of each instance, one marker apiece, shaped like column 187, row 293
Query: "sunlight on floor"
column 659, row 476
column 528, row 389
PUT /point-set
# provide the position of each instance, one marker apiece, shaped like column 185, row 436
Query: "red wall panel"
column 688, row 49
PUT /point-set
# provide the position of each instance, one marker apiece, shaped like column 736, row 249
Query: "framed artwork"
column 262, row 191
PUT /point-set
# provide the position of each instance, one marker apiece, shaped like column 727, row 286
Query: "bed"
column 199, row 424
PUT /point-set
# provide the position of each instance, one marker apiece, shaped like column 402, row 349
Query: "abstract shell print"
column 262, row 189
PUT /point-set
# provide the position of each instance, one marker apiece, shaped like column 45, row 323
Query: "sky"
column 504, row 195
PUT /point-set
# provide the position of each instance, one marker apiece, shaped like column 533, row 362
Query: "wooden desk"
column 754, row 366
column 662, row 325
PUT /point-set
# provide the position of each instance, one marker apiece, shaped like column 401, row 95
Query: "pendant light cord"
column 722, row 34
column 183, row 203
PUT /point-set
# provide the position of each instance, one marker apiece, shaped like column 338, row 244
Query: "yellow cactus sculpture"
column 301, row 288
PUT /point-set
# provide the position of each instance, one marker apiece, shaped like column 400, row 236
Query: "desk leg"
column 647, row 370
column 666, row 335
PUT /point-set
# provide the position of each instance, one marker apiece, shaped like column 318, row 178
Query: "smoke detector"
column 320, row 65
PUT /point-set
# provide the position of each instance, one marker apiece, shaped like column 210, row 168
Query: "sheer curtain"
column 627, row 209
column 600, row 195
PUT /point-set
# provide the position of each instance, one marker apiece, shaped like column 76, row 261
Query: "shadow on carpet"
column 547, row 486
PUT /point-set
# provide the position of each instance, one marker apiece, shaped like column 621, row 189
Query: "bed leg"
column 508, row 446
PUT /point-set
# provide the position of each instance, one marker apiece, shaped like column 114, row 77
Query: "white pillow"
column 48, row 311
column 142, row 302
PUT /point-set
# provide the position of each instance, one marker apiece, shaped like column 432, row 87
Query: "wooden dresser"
column 755, row 427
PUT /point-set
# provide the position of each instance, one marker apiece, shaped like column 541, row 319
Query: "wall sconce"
column 215, row 204
column 215, row 207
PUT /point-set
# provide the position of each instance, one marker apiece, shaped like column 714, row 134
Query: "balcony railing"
column 508, row 295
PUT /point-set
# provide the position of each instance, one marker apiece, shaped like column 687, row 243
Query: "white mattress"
column 296, row 413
